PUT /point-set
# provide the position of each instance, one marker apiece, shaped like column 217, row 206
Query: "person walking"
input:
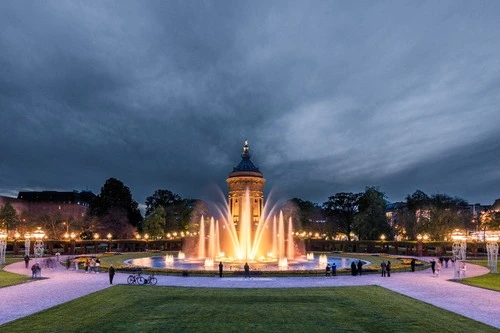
column 388, row 268
column 247, row 270
column 111, row 274
column 433, row 266
column 26, row 260
column 438, row 268
column 383, row 267
column 412, row 265
column 221, row 268
column 97, row 265
column 360, row 267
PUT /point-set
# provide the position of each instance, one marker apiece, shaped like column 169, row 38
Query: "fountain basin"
column 263, row 264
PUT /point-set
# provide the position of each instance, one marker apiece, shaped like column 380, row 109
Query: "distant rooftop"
column 73, row 197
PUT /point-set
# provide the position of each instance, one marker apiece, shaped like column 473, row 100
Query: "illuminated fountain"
column 244, row 229
column 323, row 260
column 181, row 255
column 169, row 259
column 252, row 242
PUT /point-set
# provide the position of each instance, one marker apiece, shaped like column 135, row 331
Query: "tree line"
column 355, row 215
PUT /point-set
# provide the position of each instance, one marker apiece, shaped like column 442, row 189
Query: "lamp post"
column 109, row 236
column 38, row 248
column 16, row 244
column 492, row 248
column 3, row 246
column 459, row 251
column 420, row 247
column 27, row 244
column 96, row 239
column 146, row 237
column 72, row 236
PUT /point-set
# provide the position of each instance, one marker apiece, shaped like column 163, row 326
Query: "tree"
column 307, row 214
column 341, row 210
column 178, row 212
column 371, row 221
column 8, row 217
column 488, row 220
column 154, row 224
column 161, row 198
column 443, row 215
column 116, row 196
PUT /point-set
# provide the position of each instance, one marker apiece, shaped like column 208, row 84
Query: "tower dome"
column 245, row 167
column 246, row 182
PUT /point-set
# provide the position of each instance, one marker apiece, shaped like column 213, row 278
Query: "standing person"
column 446, row 262
column 388, row 268
column 247, row 270
column 26, row 260
column 463, row 268
column 360, row 267
column 354, row 271
column 98, row 265
column 412, row 265
column 327, row 273
column 334, row 269
column 383, row 267
column 221, row 268
column 433, row 266
column 111, row 274
column 438, row 268
column 86, row 265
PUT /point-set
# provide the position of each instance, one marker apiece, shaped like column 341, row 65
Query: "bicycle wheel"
column 131, row 279
column 139, row 280
column 153, row 281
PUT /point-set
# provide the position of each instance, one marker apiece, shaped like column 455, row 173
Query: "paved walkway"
column 64, row 285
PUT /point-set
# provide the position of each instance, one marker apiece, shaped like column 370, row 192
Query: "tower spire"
column 245, row 154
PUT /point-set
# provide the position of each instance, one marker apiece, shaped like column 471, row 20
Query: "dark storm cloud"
column 333, row 96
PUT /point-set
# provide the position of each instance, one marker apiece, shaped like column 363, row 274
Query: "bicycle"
column 135, row 278
column 151, row 279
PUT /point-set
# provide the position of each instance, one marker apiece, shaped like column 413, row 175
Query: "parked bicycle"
column 135, row 278
column 151, row 279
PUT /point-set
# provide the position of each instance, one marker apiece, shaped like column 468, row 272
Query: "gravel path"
column 61, row 285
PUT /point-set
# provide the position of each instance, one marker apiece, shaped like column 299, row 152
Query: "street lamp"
column 96, row 238
column 146, row 237
column 72, row 236
column 3, row 246
column 27, row 244
column 109, row 236
column 459, row 251
column 16, row 244
column 38, row 248
column 492, row 248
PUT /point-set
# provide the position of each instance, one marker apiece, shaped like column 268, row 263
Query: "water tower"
column 246, row 176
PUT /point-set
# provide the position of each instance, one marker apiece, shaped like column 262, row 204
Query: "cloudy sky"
column 332, row 96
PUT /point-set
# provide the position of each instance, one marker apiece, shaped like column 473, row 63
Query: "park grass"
column 10, row 279
column 126, row 308
column 489, row 281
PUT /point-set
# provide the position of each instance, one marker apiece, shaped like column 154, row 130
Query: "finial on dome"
column 245, row 150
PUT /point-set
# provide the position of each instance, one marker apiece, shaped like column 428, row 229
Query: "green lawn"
column 488, row 281
column 10, row 279
column 124, row 308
